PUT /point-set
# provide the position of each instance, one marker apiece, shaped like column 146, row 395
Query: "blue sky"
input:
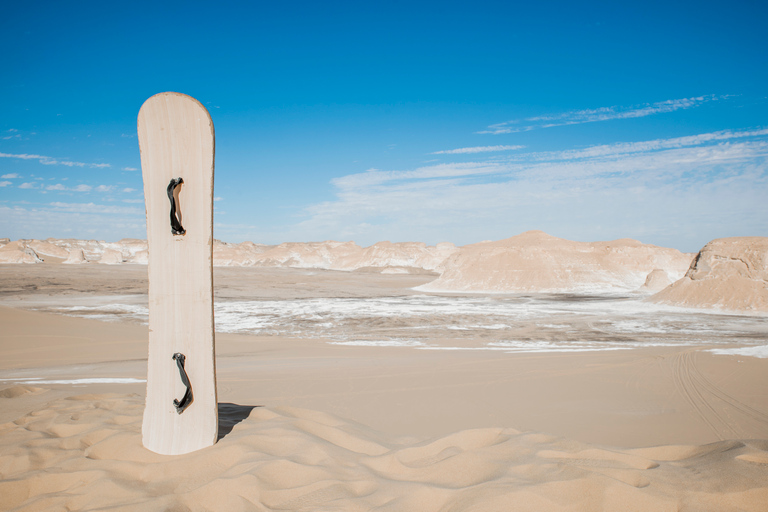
column 401, row 121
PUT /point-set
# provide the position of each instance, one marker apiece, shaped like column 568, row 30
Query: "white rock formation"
column 322, row 255
column 332, row 255
column 92, row 249
column 128, row 247
column 728, row 273
column 244, row 254
column 139, row 258
column 656, row 281
column 531, row 262
column 111, row 257
column 46, row 248
column 18, row 252
column 537, row 262
column 75, row 257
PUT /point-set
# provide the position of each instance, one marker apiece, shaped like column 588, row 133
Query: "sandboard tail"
column 176, row 140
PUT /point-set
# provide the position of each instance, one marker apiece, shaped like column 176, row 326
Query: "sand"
column 309, row 425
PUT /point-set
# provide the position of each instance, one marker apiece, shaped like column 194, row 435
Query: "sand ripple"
column 84, row 453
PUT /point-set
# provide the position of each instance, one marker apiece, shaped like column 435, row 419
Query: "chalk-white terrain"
column 728, row 273
column 537, row 262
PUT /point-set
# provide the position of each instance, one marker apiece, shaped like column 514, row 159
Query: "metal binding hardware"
column 176, row 227
column 186, row 400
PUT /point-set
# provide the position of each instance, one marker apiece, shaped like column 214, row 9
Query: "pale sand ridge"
column 61, row 449
column 84, row 453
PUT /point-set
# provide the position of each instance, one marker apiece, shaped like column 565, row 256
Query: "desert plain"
column 532, row 373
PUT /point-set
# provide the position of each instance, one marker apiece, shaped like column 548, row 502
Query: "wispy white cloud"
column 47, row 160
column 94, row 208
column 477, row 149
column 684, row 190
column 10, row 176
column 373, row 177
column 72, row 220
column 598, row 114
column 62, row 188
column 12, row 133
column 128, row 190
column 626, row 148
column 130, row 169
column 5, row 183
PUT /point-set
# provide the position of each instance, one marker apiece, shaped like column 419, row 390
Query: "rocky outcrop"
column 92, row 249
column 76, row 257
column 530, row 262
column 18, row 252
column 111, row 257
column 244, row 254
column 537, row 262
column 332, row 255
column 139, row 258
column 329, row 255
column 728, row 273
column 657, row 280
column 46, row 248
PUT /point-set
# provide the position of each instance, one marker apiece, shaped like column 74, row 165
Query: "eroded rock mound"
column 46, row 248
column 537, row 262
column 18, row 252
column 75, row 257
column 332, row 255
column 111, row 257
column 244, row 254
column 656, row 281
column 728, row 273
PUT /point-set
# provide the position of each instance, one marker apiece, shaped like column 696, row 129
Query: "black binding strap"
column 187, row 398
column 176, row 227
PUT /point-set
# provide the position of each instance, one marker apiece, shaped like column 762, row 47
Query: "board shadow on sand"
column 230, row 415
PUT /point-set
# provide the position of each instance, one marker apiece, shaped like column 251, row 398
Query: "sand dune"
column 450, row 430
column 537, row 262
column 728, row 273
column 84, row 453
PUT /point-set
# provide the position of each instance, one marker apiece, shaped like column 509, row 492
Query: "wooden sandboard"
column 177, row 141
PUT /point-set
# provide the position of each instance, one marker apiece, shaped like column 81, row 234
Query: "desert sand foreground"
column 310, row 425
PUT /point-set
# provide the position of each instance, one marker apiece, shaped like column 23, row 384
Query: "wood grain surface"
column 176, row 139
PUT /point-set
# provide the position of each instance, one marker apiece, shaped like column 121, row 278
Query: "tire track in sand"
column 710, row 402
